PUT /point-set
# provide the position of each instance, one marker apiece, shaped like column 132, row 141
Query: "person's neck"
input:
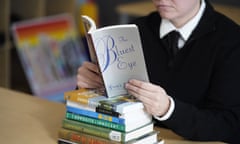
column 179, row 22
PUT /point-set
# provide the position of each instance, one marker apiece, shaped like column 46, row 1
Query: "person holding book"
column 194, row 81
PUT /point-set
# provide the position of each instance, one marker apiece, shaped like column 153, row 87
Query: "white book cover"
column 119, row 54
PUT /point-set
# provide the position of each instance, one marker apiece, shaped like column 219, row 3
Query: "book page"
column 89, row 26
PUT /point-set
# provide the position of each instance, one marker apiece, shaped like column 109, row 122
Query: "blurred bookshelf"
column 11, row 74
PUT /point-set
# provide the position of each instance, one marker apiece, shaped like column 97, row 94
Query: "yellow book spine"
column 80, row 96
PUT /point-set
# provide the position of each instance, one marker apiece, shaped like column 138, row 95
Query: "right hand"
column 89, row 76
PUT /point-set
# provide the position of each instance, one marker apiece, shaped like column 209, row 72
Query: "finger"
column 145, row 101
column 139, row 91
column 88, row 79
column 143, row 85
column 85, row 73
column 92, row 67
column 147, row 86
column 145, row 98
column 85, row 82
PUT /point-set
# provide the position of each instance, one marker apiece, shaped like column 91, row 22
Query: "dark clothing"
column 203, row 78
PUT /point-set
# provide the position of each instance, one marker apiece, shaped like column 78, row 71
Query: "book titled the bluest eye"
column 118, row 51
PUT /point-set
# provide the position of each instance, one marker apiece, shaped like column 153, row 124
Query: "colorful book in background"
column 73, row 136
column 118, row 51
column 50, row 52
column 106, row 132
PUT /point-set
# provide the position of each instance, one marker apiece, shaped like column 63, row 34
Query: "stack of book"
column 94, row 119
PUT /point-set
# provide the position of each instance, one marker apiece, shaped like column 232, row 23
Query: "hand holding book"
column 89, row 76
column 117, row 50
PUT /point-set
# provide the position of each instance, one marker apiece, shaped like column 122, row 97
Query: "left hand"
column 154, row 97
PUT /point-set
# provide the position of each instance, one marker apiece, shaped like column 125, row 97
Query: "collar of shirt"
column 166, row 26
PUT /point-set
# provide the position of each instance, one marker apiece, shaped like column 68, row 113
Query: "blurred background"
column 104, row 12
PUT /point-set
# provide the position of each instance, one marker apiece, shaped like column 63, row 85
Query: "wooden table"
column 142, row 8
column 26, row 119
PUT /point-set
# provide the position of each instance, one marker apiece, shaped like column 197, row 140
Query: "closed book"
column 107, row 111
column 69, row 136
column 127, row 117
column 84, row 96
column 63, row 141
column 82, row 138
column 93, row 114
column 115, row 126
column 121, row 104
column 106, row 132
column 149, row 138
column 98, row 122
column 160, row 142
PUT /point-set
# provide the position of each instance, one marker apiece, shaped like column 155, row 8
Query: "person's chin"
column 165, row 15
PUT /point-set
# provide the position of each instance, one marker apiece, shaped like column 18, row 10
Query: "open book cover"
column 118, row 51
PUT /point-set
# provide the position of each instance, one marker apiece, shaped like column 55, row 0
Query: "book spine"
column 82, row 138
column 95, row 115
column 121, row 104
column 97, row 122
column 111, row 105
column 63, row 141
column 93, row 130
column 106, row 111
column 81, row 97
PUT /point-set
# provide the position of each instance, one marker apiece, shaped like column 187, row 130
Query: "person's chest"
column 188, row 76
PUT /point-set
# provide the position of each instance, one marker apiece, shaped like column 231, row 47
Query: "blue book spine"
column 95, row 115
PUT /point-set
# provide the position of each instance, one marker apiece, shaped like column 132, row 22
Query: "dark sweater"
column 203, row 79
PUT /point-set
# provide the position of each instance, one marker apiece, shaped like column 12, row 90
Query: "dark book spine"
column 61, row 141
column 96, row 115
column 103, row 110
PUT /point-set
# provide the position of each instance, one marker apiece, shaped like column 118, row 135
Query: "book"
column 117, row 50
column 50, row 52
column 67, row 135
column 106, row 132
column 160, row 142
column 93, row 121
column 126, row 118
column 120, row 104
column 103, row 123
column 84, row 96
column 63, row 141
column 96, row 115
column 107, row 111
